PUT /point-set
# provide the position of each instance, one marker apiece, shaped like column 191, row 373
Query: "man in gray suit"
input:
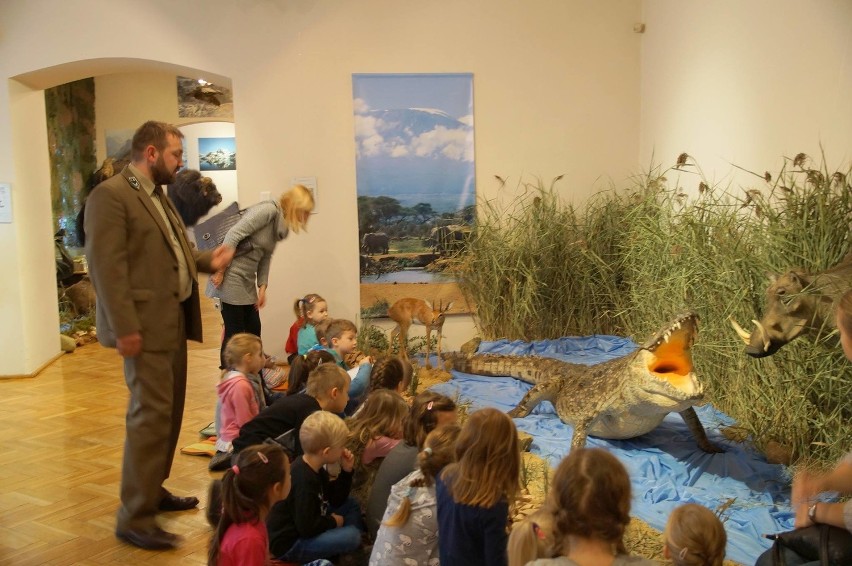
column 145, row 275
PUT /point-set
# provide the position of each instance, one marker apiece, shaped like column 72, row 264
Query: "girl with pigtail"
column 302, row 366
column 259, row 478
column 392, row 373
column 409, row 530
column 532, row 538
column 312, row 309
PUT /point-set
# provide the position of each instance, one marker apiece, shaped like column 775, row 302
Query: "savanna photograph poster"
column 416, row 185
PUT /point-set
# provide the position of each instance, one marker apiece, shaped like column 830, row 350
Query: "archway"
column 31, row 340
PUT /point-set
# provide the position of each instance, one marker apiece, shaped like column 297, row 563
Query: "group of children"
column 244, row 388
column 408, row 479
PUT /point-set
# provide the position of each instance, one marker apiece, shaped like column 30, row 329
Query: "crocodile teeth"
column 667, row 336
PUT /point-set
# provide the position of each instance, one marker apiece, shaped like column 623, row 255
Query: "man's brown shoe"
column 155, row 539
column 171, row 502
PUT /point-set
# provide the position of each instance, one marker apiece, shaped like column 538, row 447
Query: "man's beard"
column 162, row 175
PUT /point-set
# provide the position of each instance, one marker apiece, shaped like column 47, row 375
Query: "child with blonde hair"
column 590, row 499
column 312, row 309
column 694, row 536
column 428, row 411
column 377, row 426
column 532, row 538
column 240, row 393
column 318, row 519
column 374, row 430
column 409, row 530
column 257, row 480
column 475, row 492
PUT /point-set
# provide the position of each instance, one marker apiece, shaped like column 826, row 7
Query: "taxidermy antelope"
column 406, row 312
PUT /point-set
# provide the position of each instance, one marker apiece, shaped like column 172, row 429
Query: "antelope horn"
column 763, row 335
column 743, row 334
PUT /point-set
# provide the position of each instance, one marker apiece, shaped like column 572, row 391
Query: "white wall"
column 745, row 83
column 555, row 92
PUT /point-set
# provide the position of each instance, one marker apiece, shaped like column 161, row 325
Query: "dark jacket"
column 306, row 512
column 283, row 414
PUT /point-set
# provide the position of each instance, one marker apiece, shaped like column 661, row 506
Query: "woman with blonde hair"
column 475, row 492
column 241, row 287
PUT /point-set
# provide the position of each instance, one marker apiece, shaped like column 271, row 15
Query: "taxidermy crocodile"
column 622, row 398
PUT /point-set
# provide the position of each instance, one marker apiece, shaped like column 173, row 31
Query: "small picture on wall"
column 217, row 154
column 198, row 98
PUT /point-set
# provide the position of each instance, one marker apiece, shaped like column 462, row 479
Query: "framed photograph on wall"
column 416, row 185
column 217, row 154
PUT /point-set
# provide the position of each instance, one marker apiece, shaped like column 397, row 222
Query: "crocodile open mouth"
column 671, row 359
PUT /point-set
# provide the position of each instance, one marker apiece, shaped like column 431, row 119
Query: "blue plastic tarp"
column 666, row 466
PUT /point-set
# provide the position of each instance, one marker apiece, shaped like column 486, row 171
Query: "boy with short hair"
column 342, row 338
column 318, row 519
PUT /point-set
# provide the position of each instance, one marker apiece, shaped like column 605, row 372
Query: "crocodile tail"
column 526, row 368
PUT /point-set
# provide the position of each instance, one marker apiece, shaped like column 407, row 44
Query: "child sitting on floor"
column 392, row 373
column 590, row 499
column 474, row 493
column 694, row 536
column 409, row 530
column 342, row 337
column 428, row 411
column 313, row 309
column 532, row 538
column 240, row 395
column 318, row 519
column 301, row 368
column 257, row 480
column 374, row 430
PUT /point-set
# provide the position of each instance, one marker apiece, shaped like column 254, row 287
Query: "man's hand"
column 129, row 346
column 222, row 257
column 347, row 460
column 261, row 297
column 337, row 519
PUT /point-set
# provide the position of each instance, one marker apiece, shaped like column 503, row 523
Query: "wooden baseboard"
column 37, row 371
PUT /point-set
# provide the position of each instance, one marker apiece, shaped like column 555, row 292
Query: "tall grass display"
column 634, row 258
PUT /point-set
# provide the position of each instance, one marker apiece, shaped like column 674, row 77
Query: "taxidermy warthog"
column 797, row 303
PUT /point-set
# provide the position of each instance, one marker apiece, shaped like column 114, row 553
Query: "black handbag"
column 287, row 441
column 211, row 233
column 826, row 543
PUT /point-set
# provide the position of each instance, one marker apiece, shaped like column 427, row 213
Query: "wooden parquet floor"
column 63, row 436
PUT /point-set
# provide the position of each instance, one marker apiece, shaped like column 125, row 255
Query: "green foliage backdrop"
column 633, row 258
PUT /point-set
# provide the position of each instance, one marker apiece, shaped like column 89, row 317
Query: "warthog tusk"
column 762, row 335
column 743, row 334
